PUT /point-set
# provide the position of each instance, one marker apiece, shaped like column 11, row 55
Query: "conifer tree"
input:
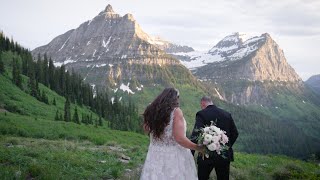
column 76, row 116
column 84, row 119
column 62, row 80
column 100, row 121
column 33, row 86
column 96, row 123
column 54, row 101
column 39, row 70
column 44, row 97
column 1, row 64
column 61, row 118
column 16, row 77
column 51, row 74
column 45, row 70
column 24, row 64
column 89, row 120
column 57, row 118
column 67, row 113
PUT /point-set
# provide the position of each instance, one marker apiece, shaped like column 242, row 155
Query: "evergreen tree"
column 1, row 64
column 57, row 118
column 100, row 121
column 54, row 101
column 33, row 86
column 61, row 118
column 83, row 119
column 51, row 74
column 67, row 113
column 39, row 72
column 96, row 123
column 16, row 77
column 76, row 116
column 45, row 70
column 62, row 81
column 44, row 98
column 24, row 64
column 89, row 120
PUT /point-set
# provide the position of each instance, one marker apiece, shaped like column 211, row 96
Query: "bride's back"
column 167, row 138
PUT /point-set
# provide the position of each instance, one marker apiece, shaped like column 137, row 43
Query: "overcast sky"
column 293, row 24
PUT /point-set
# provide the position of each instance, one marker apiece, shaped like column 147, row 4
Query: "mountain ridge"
column 314, row 83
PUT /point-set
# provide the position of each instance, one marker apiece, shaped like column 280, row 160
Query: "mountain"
column 255, row 59
column 314, row 83
column 255, row 64
column 112, row 50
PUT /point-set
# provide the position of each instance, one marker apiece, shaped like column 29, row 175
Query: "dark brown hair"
column 157, row 114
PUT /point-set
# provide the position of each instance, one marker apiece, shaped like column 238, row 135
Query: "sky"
column 293, row 24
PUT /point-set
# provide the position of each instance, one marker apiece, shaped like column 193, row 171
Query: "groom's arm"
column 233, row 132
column 195, row 133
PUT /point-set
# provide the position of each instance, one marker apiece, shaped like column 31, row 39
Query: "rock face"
column 314, row 83
column 244, row 70
column 107, row 36
column 169, row 47
column 114, row 50
column 255, row 59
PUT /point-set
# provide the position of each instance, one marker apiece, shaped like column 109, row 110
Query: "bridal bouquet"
column 214, row 139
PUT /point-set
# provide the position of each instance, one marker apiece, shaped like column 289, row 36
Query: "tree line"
column 69, row 84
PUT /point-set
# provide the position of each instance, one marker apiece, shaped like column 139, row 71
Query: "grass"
column 253, row 166
column 16, row 100
column 25, row 158
column 24, row 126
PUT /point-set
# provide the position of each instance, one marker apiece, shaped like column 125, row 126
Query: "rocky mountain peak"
column 104, row 46
column 109, row 9
column 236, row 56
column 129, row 17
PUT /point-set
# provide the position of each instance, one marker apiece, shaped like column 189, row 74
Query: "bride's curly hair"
column 157, row 114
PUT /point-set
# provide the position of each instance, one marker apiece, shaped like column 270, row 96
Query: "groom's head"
column 205, row 101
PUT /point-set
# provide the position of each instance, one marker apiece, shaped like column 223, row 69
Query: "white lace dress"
column 167, row 160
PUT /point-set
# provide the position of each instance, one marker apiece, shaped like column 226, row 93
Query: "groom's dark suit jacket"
column 224, row 121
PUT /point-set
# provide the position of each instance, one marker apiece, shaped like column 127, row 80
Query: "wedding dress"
column 167, row 160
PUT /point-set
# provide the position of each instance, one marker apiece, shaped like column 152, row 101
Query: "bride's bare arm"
column 178, row 131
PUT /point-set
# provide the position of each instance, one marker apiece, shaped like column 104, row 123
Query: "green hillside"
column 260, row 132
column 35, row 145
column 91, row 153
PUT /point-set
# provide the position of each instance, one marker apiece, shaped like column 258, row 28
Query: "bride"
column 169, row 155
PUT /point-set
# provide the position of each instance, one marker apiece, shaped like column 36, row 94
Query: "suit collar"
column 210, row 106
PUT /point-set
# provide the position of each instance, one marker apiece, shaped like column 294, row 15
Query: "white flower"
column 206, row 129
column 212, row 147
column 215, row 139
column 206, row 142
column 224, row 139
column 207, row 138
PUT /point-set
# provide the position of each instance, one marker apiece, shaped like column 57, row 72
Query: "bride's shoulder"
column 177, row 112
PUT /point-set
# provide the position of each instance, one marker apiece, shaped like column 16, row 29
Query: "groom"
column 223, row 121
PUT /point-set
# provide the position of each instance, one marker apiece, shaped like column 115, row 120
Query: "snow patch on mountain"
column 233, row 47
column 126, row 88
column 101, row 65
column 198, row 59
column 64, row 44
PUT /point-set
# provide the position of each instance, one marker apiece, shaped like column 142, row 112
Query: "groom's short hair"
column 206, row 99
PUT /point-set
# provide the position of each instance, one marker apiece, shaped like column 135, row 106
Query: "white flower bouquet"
column 214, row 139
